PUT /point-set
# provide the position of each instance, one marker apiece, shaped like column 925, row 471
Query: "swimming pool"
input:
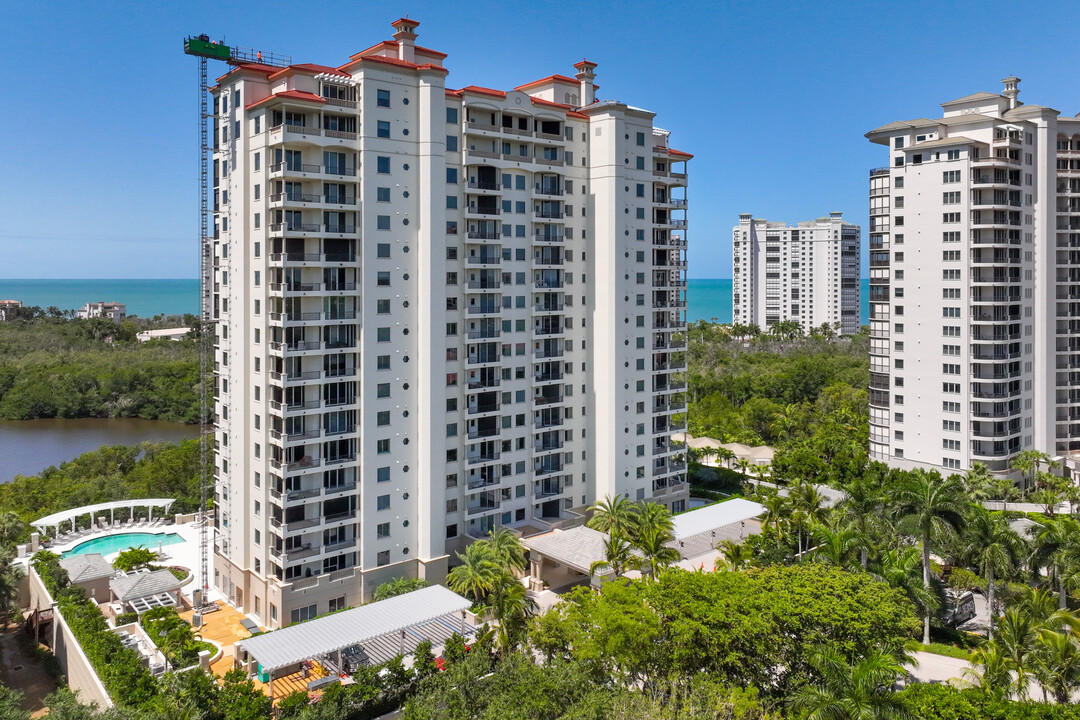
column 115, row 543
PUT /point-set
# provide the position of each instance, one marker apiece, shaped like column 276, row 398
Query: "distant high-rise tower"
column 808, row 273
column 440, row 311
column 975, row 284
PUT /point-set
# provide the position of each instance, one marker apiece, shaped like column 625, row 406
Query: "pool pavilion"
column 95, row 515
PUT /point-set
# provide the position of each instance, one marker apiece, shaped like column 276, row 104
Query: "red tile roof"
column 549, row 78
column 257, row 67
column 429, row 52
column 477, row 90
column 289, row 95
column 393, row 61
column 680, row 153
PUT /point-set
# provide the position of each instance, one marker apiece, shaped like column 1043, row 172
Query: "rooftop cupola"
column 585, row 76
column 1012, row 89
column 406, row 38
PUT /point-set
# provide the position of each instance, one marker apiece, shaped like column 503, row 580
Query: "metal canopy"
column 326, row 635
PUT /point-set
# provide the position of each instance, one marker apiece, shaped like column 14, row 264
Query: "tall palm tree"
column 614, row 515
column 744, row 466
column 618, row 557
column 808, row 505
column 511, row 607
column 1027, row 463
column 777, row 511
column 655, row 552
column 993, row 548
column 507, row 547
column 478, row 573
column 859, row 690
column 1057, row 548
column 901, row 568
column 930, row 507
column 862, row 505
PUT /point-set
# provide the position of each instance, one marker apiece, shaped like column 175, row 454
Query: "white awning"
column 714, row 517
column 326, row 635
column 56, row 519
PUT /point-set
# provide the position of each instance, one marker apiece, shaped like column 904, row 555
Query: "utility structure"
column 202, row 47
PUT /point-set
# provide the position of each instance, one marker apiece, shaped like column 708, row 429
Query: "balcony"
column 478, row 458
column 483, row 506
column 481, row 383
column 480, row 409
column 491, row 259
column 549, row 237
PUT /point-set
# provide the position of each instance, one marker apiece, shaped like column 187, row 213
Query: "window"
column 950, row 237
column 951, row 388
column 382, row 390
column 950, row 198
column 451, row 202
column 304, row 613
column 950, row 425
column 382, row 307
column 950, row 406
column 382, row 474
column 382, row 194
column 950, row 255
column 382, row 502
column 382, row 530
column 382, row 278
column 382, row 129
column 641, row 139
column 382, row 222
column 337, row 604
column 451, row 115
column 898, row 142
column 451, row 143
column 950, row 274
column 382, row 98
column 382, row 418
column 382, row 558
column 382, row 362
column 382, row 165
column 950, row 312
column 950, row 217
column 382, row 250
column 950, row 369
column 950, row 176
column 952, row 154
column 451, row 175
column 950, row 444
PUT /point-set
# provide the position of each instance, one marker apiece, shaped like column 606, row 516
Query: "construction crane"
column 205, row 49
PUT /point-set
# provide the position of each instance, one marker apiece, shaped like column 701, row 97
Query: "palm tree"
column 862, row 504
column 397, row 586
column 651, row 516
column 1057, row 547
column 837, row 545
column 655, row 552
column 777, row 510
column 977, row 481
column 478, row 573
column 511, row 607
column 930, row 508
column 1017, row 634
column 614, row 515
column 725, row 455
column 618, row 557
column 744, row 466
column 901, row 568
column 1027, row 463
column 990, row 670
column 507, row 547
column 1056, row 664
column 736, row 554
column 809, row 507
column 993, row 548
column 859, row 690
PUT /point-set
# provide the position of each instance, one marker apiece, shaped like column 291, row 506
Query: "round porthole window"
column 405, row 221
column 405, row 386
column 405, row 131
column 405, row 101
column 405, row 194
column 405, row 496
column 405, row 441
column 406, row 165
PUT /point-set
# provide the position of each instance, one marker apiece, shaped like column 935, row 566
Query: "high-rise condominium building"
column 808, row 273
column 439, row 312
column 974, row 284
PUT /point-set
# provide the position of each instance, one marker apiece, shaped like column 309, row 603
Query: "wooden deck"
column 286, row 684
column 224, row 628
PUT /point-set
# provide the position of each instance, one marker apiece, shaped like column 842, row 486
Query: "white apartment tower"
column 808, row 273
column 439, row 312
column 974, row 285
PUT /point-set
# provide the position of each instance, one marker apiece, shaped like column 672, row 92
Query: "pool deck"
column 184, row 553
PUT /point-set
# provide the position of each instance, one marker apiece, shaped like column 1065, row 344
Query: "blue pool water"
column 116, row 543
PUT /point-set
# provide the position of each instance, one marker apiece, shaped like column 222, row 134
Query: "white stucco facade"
column 972, row 285
column 440, row 312
column 808, row 273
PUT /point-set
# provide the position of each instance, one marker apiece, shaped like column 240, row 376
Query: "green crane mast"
column 202, row 47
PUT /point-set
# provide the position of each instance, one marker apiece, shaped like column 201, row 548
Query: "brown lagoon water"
column 29, row 446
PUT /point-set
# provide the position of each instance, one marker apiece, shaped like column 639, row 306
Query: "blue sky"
column 98, row 173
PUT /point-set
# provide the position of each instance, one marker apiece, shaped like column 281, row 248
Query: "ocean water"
column 706, row 299
column 711, row 300
column 144, row 298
